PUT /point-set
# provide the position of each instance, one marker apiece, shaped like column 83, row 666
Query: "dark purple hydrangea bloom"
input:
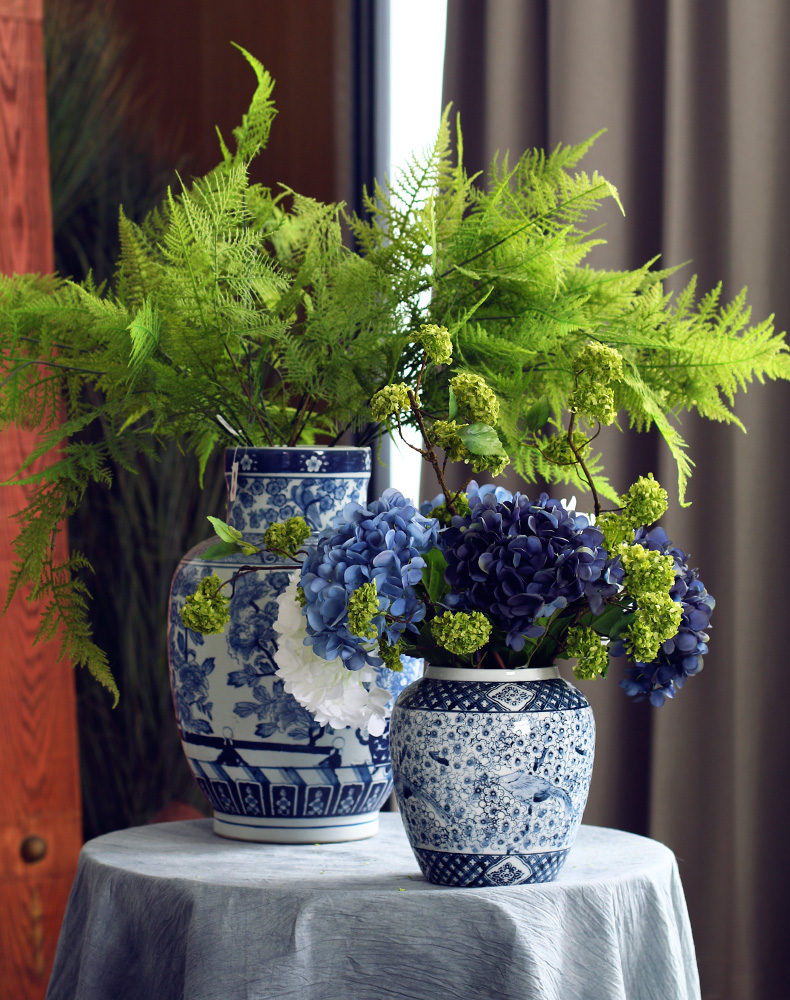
column 681, row 656
column 518, row 560
column 383, row 542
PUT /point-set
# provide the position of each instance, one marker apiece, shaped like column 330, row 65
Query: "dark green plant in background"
column 96, row 164
column 133, row 534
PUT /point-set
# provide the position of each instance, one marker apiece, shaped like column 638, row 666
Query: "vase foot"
column 476, row 871
column 321, row 830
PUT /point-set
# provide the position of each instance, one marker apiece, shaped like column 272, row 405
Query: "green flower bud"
column 592, row 399
column 495, row 464
column 644, row 502
column 207, row 610
column 558, row 449
column 445, row 517
column 287, row 536
column 363, row 606
column 592, row 658
column 646, row 571
column 437, row 343
column 461, row 632
column 445, row 434
column 656, row 619
column 595, row 367
column 615, row 530
column 390, row 654
column 391, row 399
column 599, row 363
column 475, row 398
column 301, row 600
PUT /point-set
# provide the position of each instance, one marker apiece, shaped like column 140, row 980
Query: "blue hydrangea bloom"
column 383, row 542
column 681, row 656
column 518, row 560
column 474, row 494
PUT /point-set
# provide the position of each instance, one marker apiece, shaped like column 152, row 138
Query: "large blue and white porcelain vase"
column 271, row 772
column 492, row 770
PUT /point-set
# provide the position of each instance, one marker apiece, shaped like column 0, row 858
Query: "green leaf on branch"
column 481, row 439
column 538, row 414
column 225, row 531
column 433, row 575
column 452, row 409
column 221, row 550
column 614, row 620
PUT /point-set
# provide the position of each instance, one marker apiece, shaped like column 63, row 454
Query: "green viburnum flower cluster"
column 437, row 343
column 495, row 464
column 647, row 571
column 559, row 451
column 656, row 619
column 390, row 654
column 363, row 606
column 287, row 536
column 645, row 502
column 461, row 632
column 391, row 399
column 207, row 610
column 592, row 658
column 445, row 434
column 475, row 398
column 649, row 576
column 596, row 367
column 445, row 517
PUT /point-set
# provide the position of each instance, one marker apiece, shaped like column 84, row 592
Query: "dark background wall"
column 195, row 80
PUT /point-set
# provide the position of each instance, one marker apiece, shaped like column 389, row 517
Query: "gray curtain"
column 695, row 95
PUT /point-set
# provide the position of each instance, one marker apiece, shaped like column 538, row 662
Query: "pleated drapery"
column 695, row 97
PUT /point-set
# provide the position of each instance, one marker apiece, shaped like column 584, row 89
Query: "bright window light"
column 417, row 33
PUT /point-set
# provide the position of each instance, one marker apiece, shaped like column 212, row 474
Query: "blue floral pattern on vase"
column 491, row 776
column 269, row 770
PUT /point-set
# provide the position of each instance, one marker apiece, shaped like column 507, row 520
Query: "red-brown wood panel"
column 39, row 772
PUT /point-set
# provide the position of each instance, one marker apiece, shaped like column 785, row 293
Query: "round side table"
column 173, row 912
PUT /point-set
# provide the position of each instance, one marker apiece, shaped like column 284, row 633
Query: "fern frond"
column 253, row 133
column 144, row 331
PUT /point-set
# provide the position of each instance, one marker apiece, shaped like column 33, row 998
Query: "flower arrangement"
column 238, row 316
column 479, row 577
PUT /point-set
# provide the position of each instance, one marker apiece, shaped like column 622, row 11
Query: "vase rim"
column 494, row 676
column 297, row 447
column 297, row 460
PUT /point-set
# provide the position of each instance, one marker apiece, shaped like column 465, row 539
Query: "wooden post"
column 40, row 822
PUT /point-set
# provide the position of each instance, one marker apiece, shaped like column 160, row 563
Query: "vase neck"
column 273, row 484
column 497, row 676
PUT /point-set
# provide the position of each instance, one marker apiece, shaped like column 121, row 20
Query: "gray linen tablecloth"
column 173, row 911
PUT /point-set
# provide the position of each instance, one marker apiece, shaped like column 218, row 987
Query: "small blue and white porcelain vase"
column 492, row 770
column 270, row 771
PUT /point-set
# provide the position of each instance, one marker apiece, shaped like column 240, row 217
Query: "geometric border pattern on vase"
column 477, row 871
column 432, row 694
column 270, row 800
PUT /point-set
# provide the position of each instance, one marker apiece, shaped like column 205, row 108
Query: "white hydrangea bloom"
column 570, row 506
column 337, row 697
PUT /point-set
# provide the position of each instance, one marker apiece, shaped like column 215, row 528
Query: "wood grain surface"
column 39, row 767
column 22, row 10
